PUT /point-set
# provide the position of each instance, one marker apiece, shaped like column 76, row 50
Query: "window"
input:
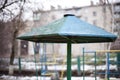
column 117, row 8
column 79, row 16
column 37, row 48
column 104, row 9
column 94, row 13
column 36, row 16
column 24, row 47
column 95, row 22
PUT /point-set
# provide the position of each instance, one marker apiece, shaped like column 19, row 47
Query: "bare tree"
column 17, row 24
column 10, row 8
column 12, row 11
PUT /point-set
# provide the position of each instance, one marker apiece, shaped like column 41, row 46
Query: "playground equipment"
column 107, row 61
column 79, row 63
column 45, row 63
column 79, row 60
column 68, row 29
column 62, row 72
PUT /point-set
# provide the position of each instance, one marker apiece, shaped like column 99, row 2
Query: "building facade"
column 116, row 11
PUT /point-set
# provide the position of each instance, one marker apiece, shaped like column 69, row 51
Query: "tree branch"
column 6, row 5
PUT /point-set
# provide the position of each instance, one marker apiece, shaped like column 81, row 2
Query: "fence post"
column 118, row 62
column 79, row 65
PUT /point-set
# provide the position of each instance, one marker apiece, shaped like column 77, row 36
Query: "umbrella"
column 68, row 29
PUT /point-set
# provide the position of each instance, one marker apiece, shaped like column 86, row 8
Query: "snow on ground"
column 4, row 77
column 31, row 66
column 43, row 78
column 81, row 78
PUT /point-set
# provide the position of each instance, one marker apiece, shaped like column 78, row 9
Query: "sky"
column 63, row 3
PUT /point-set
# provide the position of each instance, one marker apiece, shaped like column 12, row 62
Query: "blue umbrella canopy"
column 68, row 28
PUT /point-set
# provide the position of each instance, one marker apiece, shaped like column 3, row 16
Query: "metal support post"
column 19, row 60
column 83, row 64
column 108, row 66
column 95, row 65
column 69, row 61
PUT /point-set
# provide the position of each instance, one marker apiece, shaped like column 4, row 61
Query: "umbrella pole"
column 69, row 61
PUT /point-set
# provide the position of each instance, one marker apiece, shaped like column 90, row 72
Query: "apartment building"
column 116, row 11
column 99, row 15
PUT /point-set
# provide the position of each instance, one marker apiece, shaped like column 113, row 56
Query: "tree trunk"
column 11, row 67
column 13, row 52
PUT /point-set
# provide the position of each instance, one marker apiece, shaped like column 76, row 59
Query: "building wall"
column 100, row 14
column 116, row 11
column 117, row 17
